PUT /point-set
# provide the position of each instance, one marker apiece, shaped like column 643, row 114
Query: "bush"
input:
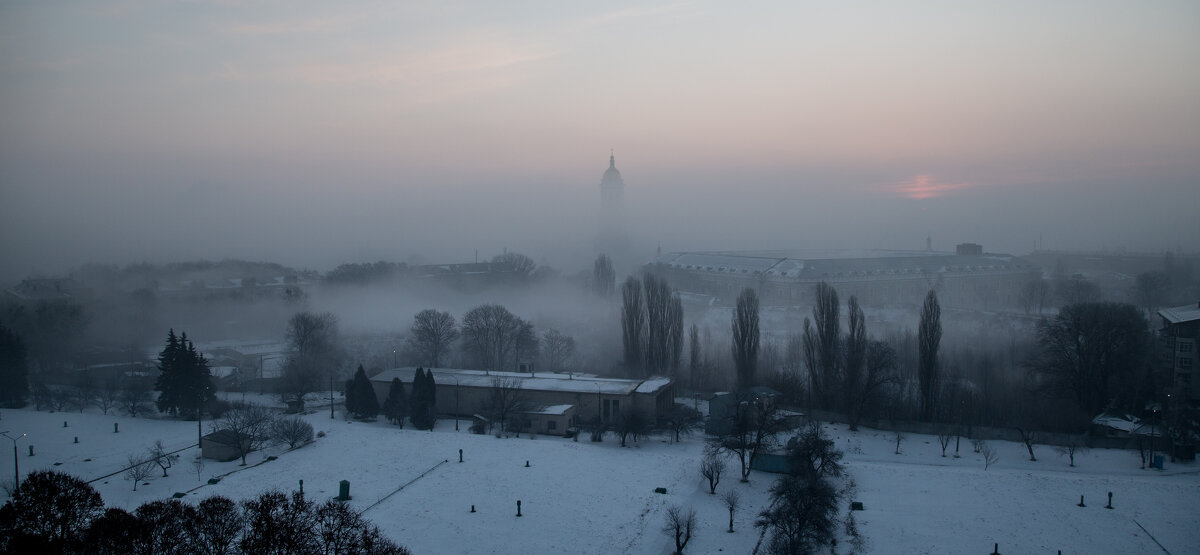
column 216, row 408
column 294, row 431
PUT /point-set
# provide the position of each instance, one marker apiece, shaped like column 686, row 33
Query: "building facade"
column 967, row 277
column 1177, row 349
column 555, row 401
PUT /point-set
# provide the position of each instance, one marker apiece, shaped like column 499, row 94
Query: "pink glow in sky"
column 923, row 187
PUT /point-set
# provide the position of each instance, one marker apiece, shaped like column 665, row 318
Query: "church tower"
column 611, row 237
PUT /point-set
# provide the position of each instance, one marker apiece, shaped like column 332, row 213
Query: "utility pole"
column 16, row 472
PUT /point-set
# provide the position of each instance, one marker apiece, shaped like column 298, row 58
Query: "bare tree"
column 854, row 360
column 108, row 394
column 520, row 265
column 525, row 343
column 1074, row 445
column 944, row 438
column 711, row 468
column 989, row 455
column 680, row 524
column 250, row 426
column 880, row 370
column 1028, row 437
column 293, row 432
column 506, row 400
column 161, row 457
column 433, row 333
column 139, row 469
column 604, row 279
column 695, row 358
column 136, row 397
column 1093, row 352
column 682, row 419
column 929, row 338
column 633, row 325
column 317, row 355
column 1034, row 294
column 198, row 466
column 489, row 333
column 899, row 437
column 753, row 425
column 746, row 338
column 732, row 499
column 558, row 349
column 631, row 424
column 822, row 345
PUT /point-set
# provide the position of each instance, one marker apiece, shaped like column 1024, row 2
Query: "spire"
column 612, row 160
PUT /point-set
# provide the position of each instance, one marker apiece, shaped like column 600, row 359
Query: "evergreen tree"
column 395, row 408
column 351, row 398
column 185, row 383
column 365, row 405
column 168, row 378
column 418, row 405
column 430, row 397
column 14, row 373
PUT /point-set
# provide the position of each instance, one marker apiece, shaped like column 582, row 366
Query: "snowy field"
column 583, row 497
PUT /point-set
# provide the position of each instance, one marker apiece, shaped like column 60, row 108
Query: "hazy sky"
column 314, row 133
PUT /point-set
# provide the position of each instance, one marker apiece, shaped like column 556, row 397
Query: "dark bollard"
column 526, row 464
column 518, row 507
column 301, row 488
column 76, row 439
column 1109, row 505
column 472, row 508
column 31, row 450
column 996, row 550
column 116, row 430
column 64, row 423
column 1081, row 501
column 460, row 455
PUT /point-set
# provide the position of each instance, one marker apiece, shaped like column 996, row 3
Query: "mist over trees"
column 929, row 340
column 651, row 327
column 316, row 355
column 746, row 338
column 433, row 335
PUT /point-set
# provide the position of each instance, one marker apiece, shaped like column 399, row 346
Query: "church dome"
column 612, row 177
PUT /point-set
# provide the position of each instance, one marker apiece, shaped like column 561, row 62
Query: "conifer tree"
column 351, row 397
column 418, row 405
column 396, row 405
column 14, row 382
column 185, row 383
column 430, row 397
column 365, row 403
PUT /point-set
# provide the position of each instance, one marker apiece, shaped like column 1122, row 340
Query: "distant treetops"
column 184, row 381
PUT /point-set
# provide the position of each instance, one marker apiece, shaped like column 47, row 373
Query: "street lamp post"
column 456, row 405
column 16, row 472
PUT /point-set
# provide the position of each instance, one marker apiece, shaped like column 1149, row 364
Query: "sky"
column 318, row 133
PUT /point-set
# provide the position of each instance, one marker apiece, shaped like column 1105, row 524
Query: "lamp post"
column 456, row 405
column 16, row 472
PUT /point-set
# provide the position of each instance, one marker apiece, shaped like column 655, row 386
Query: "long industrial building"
column 967, row 277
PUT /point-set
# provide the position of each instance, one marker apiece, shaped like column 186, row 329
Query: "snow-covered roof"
column 1181, row 314
column 557, row 410
column 529, row 382
column 844, row 264
column 1123, row 422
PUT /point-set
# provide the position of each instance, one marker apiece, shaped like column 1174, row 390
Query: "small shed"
column 551, row 420
column 222, row 445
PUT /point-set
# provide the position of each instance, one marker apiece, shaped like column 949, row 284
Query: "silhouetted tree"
column 395, row 407
column 277, row 523
column 360, row 396
column 633, row 325
column 48, row 513
column 217, row 526
column 745, row 338
column 803, row 510
column 14, row 371
column 631, row 424
column 752, row 428
column 520, row 265
column 822, row 345
column 506, row 401
column 681, row 524
column 433, row 333
column 929, row 338
column 316, row 356
column 184, row 381
column 558, row 350
column 711, row 468
column 1093, row 352
column 250, row 424
column 604, row 279
column 489, row 334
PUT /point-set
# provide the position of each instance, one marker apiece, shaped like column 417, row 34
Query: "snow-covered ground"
column 583, row 497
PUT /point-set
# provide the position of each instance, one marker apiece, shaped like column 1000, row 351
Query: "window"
column 551, row 425
column 1185, row 346
column 1185, row 362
